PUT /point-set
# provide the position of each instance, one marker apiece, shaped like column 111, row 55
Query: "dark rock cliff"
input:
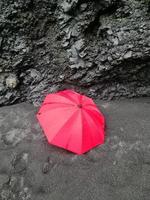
column 100, row 47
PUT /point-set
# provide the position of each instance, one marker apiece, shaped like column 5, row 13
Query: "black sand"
column 117, row 170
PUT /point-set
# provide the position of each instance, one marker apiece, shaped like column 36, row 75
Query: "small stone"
column 130, row 46
column 109, row 32
column 65, row 44
column 40, row 43
column 17, row 63
column 11, row 81
column 13, row 182
column 79, row 44
column 20, row 162
column 110, row 58
column 128, row 54
column 75, row 32
column 115, row 41
column 82, row 54
column 61, row 76
column 89, row 64
column 67, row 6
column 83, row 7
column 25, row 157
column 45, row 168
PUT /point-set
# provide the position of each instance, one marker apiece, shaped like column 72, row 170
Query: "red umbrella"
column 71, row 121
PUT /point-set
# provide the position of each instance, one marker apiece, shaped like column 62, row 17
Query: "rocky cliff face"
column 100, row 47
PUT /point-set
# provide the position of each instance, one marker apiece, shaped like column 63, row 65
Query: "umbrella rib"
column 89, row 104
column 50, row 103
column 100, row 115
column 81, row 99
column 85, row 121
column 97, row 112
column 93, row 108
column 70, row 135
column 87, row 111
column 82, row 129
column 67, row 97
column 91, row 136
column 42, row 112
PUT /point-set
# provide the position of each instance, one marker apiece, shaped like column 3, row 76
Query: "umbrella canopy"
column 71, row 121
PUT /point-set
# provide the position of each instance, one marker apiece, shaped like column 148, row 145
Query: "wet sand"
column 117, row 170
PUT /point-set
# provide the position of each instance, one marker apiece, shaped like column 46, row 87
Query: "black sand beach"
column 30, row 169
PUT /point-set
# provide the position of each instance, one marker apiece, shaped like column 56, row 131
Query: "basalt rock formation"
column 99, row 47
